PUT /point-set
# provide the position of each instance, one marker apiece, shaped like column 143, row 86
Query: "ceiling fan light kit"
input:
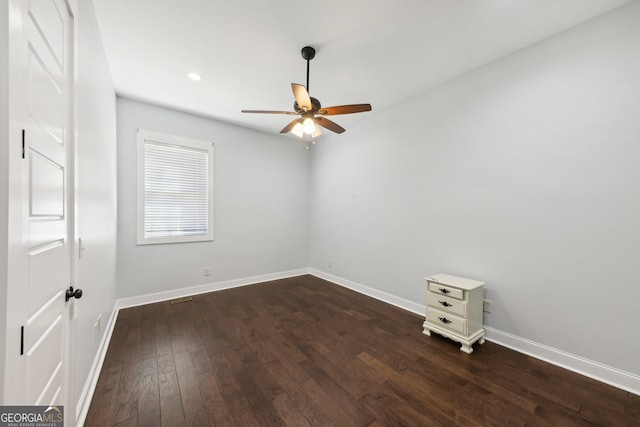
column 310, row 110
column 297, row 130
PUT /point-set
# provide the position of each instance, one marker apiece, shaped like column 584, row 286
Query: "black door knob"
column 71, row 293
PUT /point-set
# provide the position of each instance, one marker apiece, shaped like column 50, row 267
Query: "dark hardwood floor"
column 305, row 352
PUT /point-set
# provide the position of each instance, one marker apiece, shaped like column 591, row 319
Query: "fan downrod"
column 308, row 53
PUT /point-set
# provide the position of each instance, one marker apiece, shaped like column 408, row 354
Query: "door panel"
column 44, row 364
column 41, row 282
column 47, row 76
column 46, row 194
column 48, row 19
column 46, row 103
column 47, row 187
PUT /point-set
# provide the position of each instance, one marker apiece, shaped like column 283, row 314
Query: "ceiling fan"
column 310, row 110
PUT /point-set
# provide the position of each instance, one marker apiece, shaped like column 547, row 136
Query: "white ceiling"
column 378, row 52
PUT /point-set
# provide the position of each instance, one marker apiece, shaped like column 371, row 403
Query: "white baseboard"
column 82, row 408
column 373, row 293
column 606, row 374
column 203, row 289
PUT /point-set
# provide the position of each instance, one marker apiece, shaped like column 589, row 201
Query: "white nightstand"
column 454, row 309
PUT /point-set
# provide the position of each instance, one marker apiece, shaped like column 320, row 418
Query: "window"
column 175, row 189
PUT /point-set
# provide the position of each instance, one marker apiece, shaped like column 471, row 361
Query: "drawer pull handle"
column 444, row 290
column 444, row 320
column 444, row 303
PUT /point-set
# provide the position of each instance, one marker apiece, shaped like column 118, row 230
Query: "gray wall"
column 96, row 194
column 523, row 174
column 261, row 210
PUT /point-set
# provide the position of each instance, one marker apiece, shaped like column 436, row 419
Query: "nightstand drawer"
column 449, row 291
column 447, row 320
column 450, row 305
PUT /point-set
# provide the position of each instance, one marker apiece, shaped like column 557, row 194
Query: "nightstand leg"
column 466, row 348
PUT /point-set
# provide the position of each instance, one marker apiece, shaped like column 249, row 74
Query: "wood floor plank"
column 297, row 397
column 631, row 406
column 289, row 359
column 215, row 406
column 164, row 353
column 439, row 399
column 117, row 349
column 405, row 413
column 259, row 395
column 337, row 388
column 304, row 352
column 149, row 393
column 131, row 422
column 128, row 393
column 336, row 367
column 198, row 419
column 187, row 381
column 172, row 414
column 200, row 361
column 254, row 340
column 232, row 392
column 332, row 409
column 288, row 411
column 107, row 389
column 168, row 387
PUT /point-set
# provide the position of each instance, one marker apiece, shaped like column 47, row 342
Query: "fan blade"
column 302, row 96
column 269, row 112
column 344, row 109
column 290, row 126
column 328, row 124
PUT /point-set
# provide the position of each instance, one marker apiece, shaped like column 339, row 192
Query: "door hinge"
column 23, row 143
column 21, row 340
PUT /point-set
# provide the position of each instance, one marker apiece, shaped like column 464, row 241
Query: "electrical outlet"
column 206, row 271
column 486, row 306
column 96, row 327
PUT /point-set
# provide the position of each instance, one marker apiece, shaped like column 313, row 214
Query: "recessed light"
column 195, row 77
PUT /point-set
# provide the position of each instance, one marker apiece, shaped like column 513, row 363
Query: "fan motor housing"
column 315, row 105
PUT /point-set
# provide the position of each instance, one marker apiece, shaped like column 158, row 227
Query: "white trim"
column 145, row 138
column 606, row 374
column 372, row 292
column 84, row 402
column 589, row 368
column 203, row 289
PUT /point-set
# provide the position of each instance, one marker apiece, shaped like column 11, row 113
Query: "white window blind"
column 175, row 189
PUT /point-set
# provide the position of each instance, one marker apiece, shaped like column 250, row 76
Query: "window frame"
column 144, row 136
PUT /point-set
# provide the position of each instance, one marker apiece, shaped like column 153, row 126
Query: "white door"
column 41, row 95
